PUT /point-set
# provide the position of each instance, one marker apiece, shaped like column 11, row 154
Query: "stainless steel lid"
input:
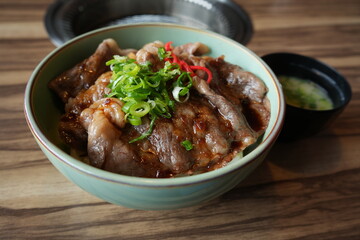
column 66, row 19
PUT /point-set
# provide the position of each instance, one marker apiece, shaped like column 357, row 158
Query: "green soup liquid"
column 306, row 94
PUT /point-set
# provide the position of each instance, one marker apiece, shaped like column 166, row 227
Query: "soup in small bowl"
column 315, row 93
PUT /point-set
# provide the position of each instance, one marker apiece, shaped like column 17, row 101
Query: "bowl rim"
column 84, row 168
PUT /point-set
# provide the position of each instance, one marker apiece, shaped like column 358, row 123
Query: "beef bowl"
column 154, row 116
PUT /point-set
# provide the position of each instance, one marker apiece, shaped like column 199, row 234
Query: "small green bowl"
column 43, row 112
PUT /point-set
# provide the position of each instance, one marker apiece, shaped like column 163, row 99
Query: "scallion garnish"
column 145, row 92
column 163, row 53
column 187, row 145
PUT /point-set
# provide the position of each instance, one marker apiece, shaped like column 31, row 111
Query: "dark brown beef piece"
column 199, row 123
column 166, row 145
column 242, row 88
column 70, row 129
column 148, row 156
column 83, row 75
column 85, row 98
column 72, row 132
column 230, row 111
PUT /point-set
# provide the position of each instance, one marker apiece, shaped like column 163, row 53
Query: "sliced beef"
column 166, row 145
column 197, row 122
column 231, row 112
column 70, row 129
column 72, row 132
column 106, row 149
column 111, row 108
column 83, row 75
column 244, row 88
column 191, row 49
column 86, row 97
column 149, row 54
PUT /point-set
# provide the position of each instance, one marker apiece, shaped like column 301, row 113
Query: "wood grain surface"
column 309, row 189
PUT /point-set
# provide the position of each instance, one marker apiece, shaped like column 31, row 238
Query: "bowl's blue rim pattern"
column 138, row 181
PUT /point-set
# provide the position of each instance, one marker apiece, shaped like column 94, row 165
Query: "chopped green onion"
column 179, row 92
column 146, row 92
column 162, row 53
column 182, row 87
column 187, row 145
column 147, row 133
column 131, row 69
column 133, row 120
column 139, row 109
column 181, row 81
column 127, row 106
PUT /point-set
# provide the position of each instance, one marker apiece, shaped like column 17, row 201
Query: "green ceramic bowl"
column 42, row 114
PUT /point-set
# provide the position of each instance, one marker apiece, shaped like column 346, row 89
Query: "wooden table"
column 309, row 189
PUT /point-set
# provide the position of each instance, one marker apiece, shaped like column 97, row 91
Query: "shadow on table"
column 304, row 158
column 288, row 168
